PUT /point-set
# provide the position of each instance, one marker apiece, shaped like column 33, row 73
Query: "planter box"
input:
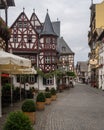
column 48, row 101
column 32, row 116
column 53, row 97
column 40, row 105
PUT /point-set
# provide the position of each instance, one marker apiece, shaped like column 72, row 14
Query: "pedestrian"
column 71, row 82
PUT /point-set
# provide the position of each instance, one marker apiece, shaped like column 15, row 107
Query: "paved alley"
column 80, row 108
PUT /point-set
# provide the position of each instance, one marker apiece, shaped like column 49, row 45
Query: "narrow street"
column 80, row 108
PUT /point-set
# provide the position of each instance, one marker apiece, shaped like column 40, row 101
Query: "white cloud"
column 74, row 16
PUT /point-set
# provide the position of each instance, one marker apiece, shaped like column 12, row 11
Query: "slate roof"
column 62, row 44
column 56, row 27
column 47, row 27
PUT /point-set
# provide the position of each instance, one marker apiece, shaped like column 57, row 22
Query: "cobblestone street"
column 80, row 108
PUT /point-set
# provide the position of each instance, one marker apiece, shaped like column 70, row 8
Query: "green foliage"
column 40, row 97
column 29, row 106
column 49, row 74
column 53, row 91
column 6, row 94
column 47, row 89
column 17, row 121
column 59, row 74
column 5, row 32
column 69, row 73
column 48, row 95
column 6, row 87
column 41, row 73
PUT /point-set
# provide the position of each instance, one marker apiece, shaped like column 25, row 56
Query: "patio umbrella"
column 27, row 71
column 8, row 60
column 11, row 63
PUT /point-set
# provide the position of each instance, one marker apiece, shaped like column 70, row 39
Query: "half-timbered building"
column 4, row 33
column 37, row 41
column 65, row 60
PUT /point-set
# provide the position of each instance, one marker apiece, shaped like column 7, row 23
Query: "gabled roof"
column 36, row 22
column 47, row 27
column 83, row 65
column 22, row 14
column 62, row 47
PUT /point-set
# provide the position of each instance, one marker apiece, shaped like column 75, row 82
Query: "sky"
column 74, row 16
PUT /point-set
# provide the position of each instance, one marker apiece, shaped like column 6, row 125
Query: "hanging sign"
column 93, row 62
column 5, row 75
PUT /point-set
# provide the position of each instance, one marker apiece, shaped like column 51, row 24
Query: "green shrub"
column 48, row 95
column 40, row 97
column 53, row 91
column 6, row 87
column 17, row 121
column 28, row 106
column 47, row 89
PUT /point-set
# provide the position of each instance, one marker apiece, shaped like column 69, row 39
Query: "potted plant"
column 4, row 30
column 17, row 121
column 48, row 98
column 53, row 93
column 40, row 101
column 47, row 89
column 29, row 109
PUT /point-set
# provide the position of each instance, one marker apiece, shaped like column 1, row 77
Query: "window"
column 15, row 39
column 27, row 79
column 20, row 24
column 20, row 78
column 53, row 40
column 47, row 59
column 53, row 59
column 25, row 24
column 29, row 38
column 63, row 49
column 48, row 40
column 31, row 79
column 49, row 81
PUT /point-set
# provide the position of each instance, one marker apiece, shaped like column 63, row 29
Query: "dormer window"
column 63, row 49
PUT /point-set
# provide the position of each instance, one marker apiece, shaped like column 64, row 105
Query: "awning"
column 11, row 63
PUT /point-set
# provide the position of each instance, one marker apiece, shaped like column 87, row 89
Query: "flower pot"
column 53, row 97
column 40, row 105
column 32, row 116
column 48, row 101
column 29, row 108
